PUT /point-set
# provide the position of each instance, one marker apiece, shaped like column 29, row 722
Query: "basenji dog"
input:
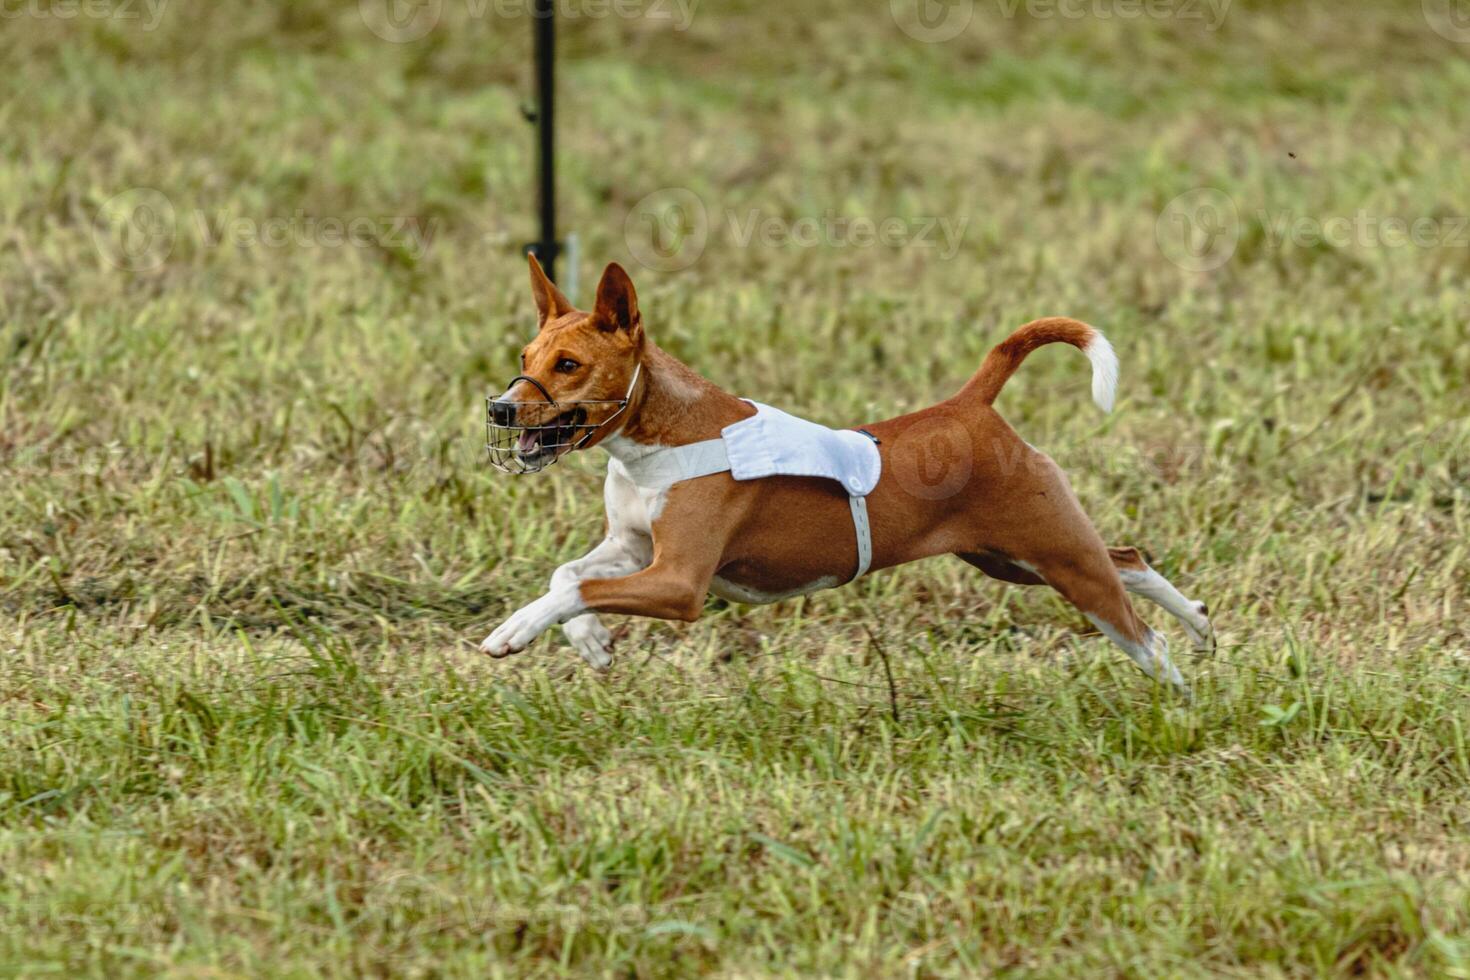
column 955, row 480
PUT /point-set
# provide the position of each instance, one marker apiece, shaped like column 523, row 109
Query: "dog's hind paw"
column 1201, row 631
column 591, row 640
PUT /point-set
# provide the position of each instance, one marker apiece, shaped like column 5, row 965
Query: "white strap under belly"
column 864, row 533
column 663, row 468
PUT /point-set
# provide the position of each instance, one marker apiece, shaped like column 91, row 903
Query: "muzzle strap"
column 622, row 407
column 533, row 383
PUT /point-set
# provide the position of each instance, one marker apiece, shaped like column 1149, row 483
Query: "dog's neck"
column 672, row 406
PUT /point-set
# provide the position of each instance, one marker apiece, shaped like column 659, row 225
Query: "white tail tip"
column 1104, row 370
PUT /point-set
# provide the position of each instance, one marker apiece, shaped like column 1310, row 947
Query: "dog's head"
column 577, row 374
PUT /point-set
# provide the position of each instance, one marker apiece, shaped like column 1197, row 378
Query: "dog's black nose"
column 503, row 412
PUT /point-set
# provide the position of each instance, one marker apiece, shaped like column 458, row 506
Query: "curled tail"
column 1006, row 356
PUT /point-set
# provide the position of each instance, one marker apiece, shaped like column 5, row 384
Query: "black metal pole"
column 543, row 14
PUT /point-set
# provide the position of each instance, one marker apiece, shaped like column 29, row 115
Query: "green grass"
column 247, row 541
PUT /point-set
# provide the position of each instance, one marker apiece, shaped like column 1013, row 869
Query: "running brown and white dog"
column 956, row 479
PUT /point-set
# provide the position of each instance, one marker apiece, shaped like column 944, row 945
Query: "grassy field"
column 261, row 265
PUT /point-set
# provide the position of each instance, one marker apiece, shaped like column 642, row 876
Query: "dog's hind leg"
column 1137, row 577
column 1140, row 579
column 1089, row 582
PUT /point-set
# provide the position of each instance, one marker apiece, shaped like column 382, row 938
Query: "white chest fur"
column 631, row 511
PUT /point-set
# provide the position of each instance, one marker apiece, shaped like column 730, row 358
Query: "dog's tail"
column 1006, row 356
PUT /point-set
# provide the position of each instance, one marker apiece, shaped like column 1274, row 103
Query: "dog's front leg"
column 586, row 633
column 687, row 545
column 616, row 555
column 661, row 591
column 672, row 587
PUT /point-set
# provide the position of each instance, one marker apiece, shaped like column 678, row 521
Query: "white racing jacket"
column 774, row 443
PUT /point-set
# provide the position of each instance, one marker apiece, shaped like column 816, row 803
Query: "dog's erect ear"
column 617, row 303
column 550, row 303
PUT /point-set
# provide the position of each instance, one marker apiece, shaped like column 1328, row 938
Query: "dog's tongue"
column 528, row 441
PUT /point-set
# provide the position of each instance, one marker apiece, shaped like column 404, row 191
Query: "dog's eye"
column 566, row 365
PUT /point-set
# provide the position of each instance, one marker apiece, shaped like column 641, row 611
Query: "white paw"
column 513, row 635
column 521, row 630
column 591, row 639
